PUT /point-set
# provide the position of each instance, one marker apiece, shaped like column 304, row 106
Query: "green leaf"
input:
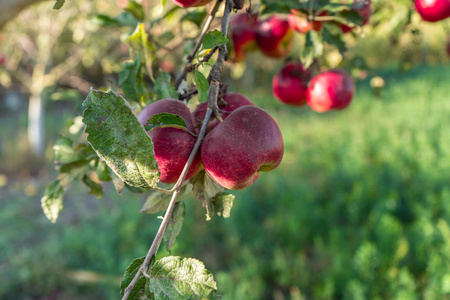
column 140, row 42
column 313, row 48
column 179, row 279
column 59, row 4
column 166, row 120
column 119, row 139
column 64, row 152
column 223, row 202
column 163, row 88
column 131, row 80
column 52, row 201
column 163, row 2
column 204, row 188
column 202, row 85
column 76, row 169
column 94, row 188
column 158, row 201
column 334, row 8
column 102, row 171
column 350, row 18
column 213, row 39
column 332, row 35
column 174, row 226
column 136, row 10
column 130, row 272
column 196, row 16
column 105, row 20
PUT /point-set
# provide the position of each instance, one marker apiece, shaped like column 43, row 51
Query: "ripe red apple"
column 191, row 3
column 232, row 101
column 172, row 145
column 433, row 10
column 299, row 22
column 290, row 83
column 365, row 11
column 275, row 37
column 243, row 35
column 330, row 90
column 245, row 144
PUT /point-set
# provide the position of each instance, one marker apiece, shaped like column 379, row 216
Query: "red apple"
column 330, row 90
column 243, row 35
column 172, row 145
column 433, row 10
column 365, row 11
column 232, row 101
column 290, row 83
column 275, row 37
column 191, row 3
column 245, row 144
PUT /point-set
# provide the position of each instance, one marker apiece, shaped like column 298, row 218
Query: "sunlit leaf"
column 179, row 279
column 52, row 202
column 223, row 202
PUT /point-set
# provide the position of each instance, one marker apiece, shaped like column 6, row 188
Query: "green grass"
column 358, row 209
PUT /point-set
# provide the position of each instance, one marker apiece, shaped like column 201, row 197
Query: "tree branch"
column 194, row 51
column 212, row 105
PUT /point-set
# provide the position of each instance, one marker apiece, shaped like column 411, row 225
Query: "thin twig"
column 194, row 51
column 212, row 105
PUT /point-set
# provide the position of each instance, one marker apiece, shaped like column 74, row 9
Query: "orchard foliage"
column 142, row 135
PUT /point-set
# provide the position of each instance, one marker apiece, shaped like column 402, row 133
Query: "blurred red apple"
column 433, row 10
column 172, row 145
column 243, row 35
column 232, row 101
column 275, row 37
column 245, row 144
column 365, row 11
column 191, row 3
column 290, row 84
column 330, row 90
column 167, row 66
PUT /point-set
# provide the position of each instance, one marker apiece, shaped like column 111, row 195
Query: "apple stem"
column 214, row 89
column 194, row 51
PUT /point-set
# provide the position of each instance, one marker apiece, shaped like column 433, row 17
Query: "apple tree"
column 167, row 131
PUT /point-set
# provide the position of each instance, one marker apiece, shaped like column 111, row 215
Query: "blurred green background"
column 358, row 209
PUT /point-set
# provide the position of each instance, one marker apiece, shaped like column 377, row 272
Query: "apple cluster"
column 234, row 152
column 272, row 36
column 294, row 85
